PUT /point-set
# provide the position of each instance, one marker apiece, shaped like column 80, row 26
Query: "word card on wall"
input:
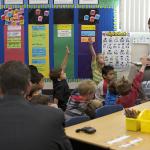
column 117, row 49
column 63, row 2
column 38, row 1
column 13, row 2
column 88, row 1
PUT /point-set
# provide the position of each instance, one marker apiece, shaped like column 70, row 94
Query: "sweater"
column 130, row 99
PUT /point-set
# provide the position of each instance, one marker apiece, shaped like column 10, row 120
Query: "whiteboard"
column 13, row 2
column 63, row 1
column 38, row 1
column 88, row 1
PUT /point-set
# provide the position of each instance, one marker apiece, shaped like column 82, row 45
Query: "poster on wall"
column 14, row 43
column 88, row 18
column 88, row 31
column 64, row 30
column 140, row 37
column 116, row 49
column 88, row 1
column 38, row 16
column 38, row 1
column 63, row 1
column 14, row 38
column 39, row 47
column 13, row 1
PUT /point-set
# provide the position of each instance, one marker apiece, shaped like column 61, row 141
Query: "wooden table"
column 109, row 128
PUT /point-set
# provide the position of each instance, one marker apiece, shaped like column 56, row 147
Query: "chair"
column 107, row 109
column 76, row 120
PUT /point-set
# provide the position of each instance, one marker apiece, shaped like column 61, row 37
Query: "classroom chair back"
column 107, row 109
column 76, row 120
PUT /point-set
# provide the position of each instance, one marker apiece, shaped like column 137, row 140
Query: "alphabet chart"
column 116, row 49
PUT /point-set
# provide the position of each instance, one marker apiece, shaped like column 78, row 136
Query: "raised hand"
column 90, row 40
column 67, row 50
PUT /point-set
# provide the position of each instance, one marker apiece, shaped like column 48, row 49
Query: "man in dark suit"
column 24, row 126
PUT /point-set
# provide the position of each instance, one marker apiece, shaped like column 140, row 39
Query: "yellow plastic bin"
column 132, row 124
column 144, row 118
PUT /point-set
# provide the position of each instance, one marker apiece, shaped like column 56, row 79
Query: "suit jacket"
column 24, row 126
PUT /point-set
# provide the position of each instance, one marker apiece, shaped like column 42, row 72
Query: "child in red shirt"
column 129, row 92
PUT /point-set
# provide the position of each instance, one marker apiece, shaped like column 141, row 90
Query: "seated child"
column 129, row 92
column 35, row 90
column 61, row 90
column 97, row 63
column 33, row 69
column 112, row 94
column 80, row 101
column 36, row 98
column 37, row 78
column 108, row 75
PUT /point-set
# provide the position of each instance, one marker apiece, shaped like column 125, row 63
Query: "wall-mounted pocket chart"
column 38, row 31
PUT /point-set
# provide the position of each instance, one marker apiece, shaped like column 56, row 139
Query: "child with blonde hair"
column 80, row 102
column 97, row 63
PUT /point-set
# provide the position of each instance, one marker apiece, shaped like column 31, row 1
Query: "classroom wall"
column 80, row 59
column 139, row 50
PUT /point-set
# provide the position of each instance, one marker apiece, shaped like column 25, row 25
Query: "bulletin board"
column 1, row 37
column 39, row 40
column 13, row 30
column 60, row 23
column 13, row 43
column 64, row 36
column 86, row 29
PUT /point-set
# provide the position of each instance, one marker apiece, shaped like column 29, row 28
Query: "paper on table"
column 131, row 143
column 118, row 139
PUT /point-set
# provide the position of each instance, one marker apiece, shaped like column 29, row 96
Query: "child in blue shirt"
column 112, row 94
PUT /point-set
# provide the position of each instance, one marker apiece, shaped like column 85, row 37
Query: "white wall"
column 138, row 51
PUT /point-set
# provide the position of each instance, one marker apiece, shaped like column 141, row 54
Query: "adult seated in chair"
column 24, row 126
